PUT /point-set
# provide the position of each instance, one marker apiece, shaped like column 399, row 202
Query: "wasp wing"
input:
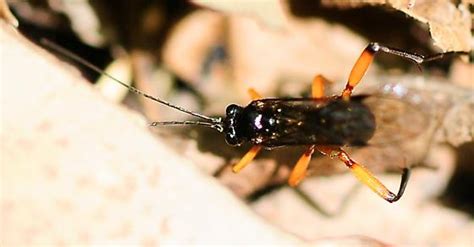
column 396, row 120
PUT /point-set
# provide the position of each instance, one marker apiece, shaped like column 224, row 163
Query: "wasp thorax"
column 233, row 113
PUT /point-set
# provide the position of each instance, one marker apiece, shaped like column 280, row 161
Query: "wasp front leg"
column 254, row 95
column 366, row 177
column 248, row 157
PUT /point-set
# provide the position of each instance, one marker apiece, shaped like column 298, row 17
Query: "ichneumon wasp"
column 325, row 124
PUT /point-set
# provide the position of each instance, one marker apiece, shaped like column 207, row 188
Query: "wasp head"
column 233, row 114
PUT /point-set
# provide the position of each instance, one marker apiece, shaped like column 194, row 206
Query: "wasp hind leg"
column 366, row 177
column 367, row 57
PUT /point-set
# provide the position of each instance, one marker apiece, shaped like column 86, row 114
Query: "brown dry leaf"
column 260, row 57
column 449, row 25
column 270, row 12
column 462, row 74
column 204, row 29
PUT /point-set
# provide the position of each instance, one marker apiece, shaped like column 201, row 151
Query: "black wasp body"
column 300, row 121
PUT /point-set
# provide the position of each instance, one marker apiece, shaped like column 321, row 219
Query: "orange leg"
column 365, row 176
column 299, row 170
column 359, row 69
column 250, row 155
column 317, row 88
column 254, row 95
column 367, row 56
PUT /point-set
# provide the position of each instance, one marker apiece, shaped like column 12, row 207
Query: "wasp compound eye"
column 233, row 110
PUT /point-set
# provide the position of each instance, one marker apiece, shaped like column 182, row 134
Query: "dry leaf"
column 258, row 56
column 449, row 25
column 270, row 12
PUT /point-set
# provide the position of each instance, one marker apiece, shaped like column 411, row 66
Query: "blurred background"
column 204, row 54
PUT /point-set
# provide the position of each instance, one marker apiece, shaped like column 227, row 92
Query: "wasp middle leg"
column 299, row 170
column 317, row 87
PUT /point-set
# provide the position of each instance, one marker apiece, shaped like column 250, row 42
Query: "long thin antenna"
column 76, row 58
column 216, row 126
